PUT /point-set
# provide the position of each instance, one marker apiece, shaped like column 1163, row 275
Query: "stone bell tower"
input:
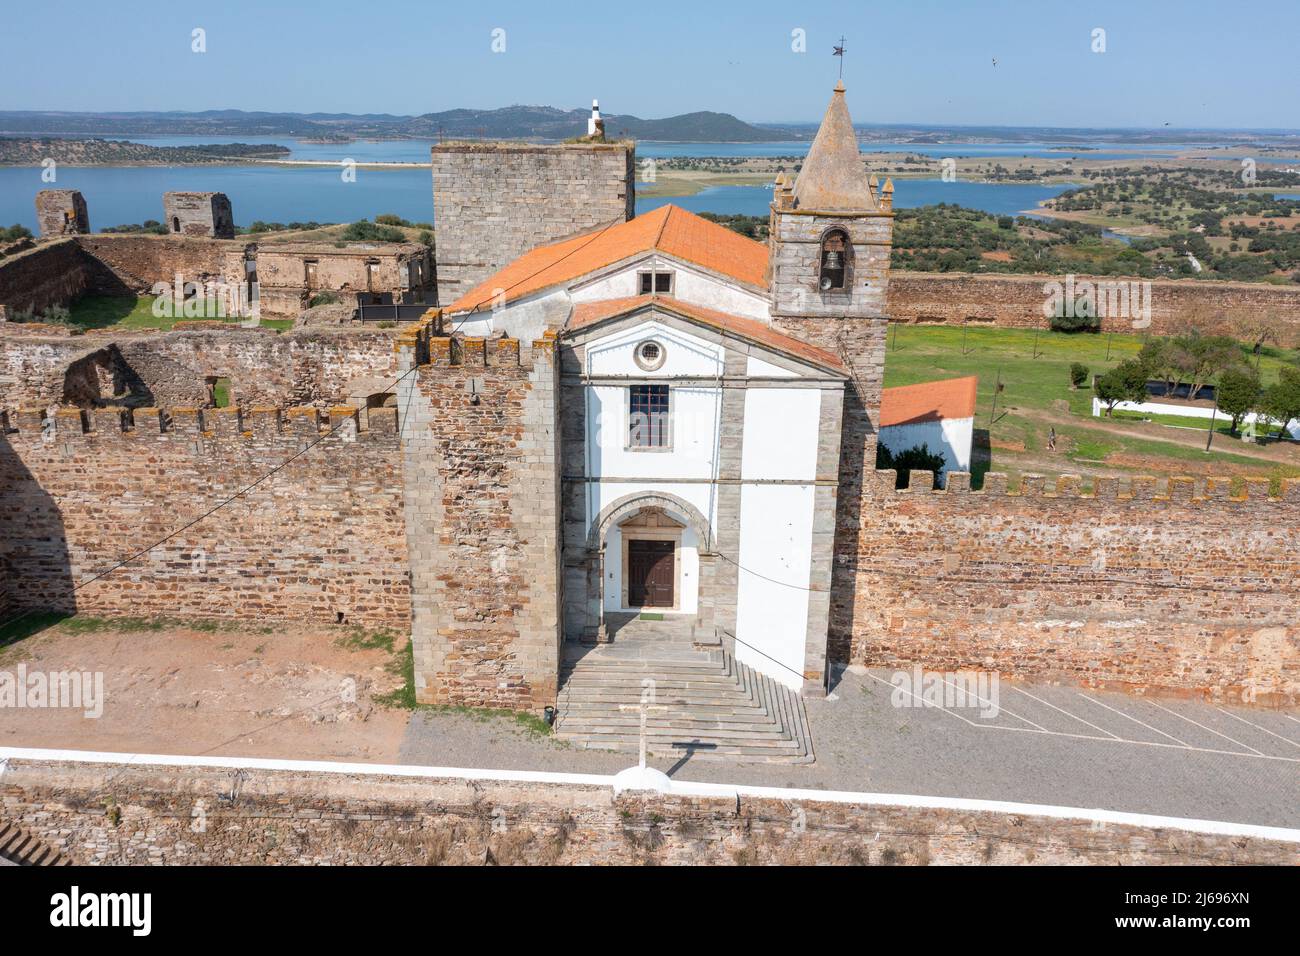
column 828, row 276
column 831, row 230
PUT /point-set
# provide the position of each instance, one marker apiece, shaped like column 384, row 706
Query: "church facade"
column 702, row 388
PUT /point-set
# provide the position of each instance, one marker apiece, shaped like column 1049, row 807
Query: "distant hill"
column 510, row 122
column 17, row 151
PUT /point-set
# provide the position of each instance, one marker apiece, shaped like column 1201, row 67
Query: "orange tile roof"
column 589, row 313
column 668, row 229
column 928, row 401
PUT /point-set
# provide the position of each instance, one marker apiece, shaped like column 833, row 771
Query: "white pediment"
column 615, row 353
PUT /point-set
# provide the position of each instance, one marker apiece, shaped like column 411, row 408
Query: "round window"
column 650, row 355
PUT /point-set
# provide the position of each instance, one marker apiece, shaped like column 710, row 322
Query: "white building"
column 939, row 415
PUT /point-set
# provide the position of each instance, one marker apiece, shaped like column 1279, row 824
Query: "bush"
column 918, row 457
column 1078, row 374
column 1075, row 323
column 1281, row 401
column 14, row 233
column 1126, row 382
column 363, row 231
column 323, row 298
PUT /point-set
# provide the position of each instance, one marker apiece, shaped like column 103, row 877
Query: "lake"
column 118, row 195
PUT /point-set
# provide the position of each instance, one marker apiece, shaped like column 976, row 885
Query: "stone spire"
column 833, row 178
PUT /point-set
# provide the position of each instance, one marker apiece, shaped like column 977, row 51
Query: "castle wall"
column 494, row 201
column 1016, row 301
column 480, row 446
column 51, row 273
column 121, row 265
column 1175, row 585
column 318, row 367
column 295, row 817
column 320, row 537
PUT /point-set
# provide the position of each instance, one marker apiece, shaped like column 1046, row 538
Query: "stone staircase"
column 20, row 848
column 710, row 705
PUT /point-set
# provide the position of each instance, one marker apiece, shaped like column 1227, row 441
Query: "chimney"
column 594, row 123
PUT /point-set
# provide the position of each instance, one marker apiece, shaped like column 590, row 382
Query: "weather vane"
column 839, row 51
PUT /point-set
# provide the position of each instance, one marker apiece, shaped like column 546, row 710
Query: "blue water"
column 417, row 151
column 303, row 193
column 996, row 198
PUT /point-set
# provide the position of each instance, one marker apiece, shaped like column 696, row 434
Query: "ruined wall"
column 133, row 814
column 322, row 536
column 1016, row 301
column 121, row 265
column 320, row 367
column 494, row 201
column 289, row 274
column 51, row 273
column 1142, row 584
column 62, row 212
column 482, row 504
column 199, row 214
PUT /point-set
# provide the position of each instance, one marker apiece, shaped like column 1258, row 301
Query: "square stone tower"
column 62, row 212
column 199, row 214
column 492, row 202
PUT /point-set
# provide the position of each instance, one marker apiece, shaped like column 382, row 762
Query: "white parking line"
column 1001, row 709
column 1265, row 730
column 1136, row 721
column 1110, row 738
column 1203, row 727
column 1064, row 711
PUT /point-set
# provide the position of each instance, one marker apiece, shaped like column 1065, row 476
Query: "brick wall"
column 1172, row 584
column 482, row 504
column 52, row 273
column 1017, row 302
column 320, row 367
column 322, row 536
column 133, row 814
column 494, row 201
column 127, row 264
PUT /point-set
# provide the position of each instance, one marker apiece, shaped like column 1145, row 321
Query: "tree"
column 1281, row 401
column 918, row 457
column 1238, row 393
column 1078, row 374
column 1126, row 382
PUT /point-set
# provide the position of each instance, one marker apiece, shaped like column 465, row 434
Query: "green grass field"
column 1036, row 397
column 136, row 312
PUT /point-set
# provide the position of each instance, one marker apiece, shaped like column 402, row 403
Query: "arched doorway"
column 650, row 557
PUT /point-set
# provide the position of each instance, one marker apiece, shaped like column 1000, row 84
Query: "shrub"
column 323, row 298
column 1078, row 374
column 1126, row 382
column 14, row 233
column 1075, row 323
column 363, row 231
column 1281, row 401
column 918, row 457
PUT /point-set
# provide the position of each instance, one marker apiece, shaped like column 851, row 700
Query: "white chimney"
column 593, row 122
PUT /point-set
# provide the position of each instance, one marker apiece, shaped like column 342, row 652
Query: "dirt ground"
column 263, row 692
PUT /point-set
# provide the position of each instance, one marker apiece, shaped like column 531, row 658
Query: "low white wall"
column 1186, row 411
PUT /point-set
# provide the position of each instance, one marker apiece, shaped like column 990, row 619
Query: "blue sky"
column 1189, row 64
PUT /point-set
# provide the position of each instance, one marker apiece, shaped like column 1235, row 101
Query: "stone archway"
column 625, row 508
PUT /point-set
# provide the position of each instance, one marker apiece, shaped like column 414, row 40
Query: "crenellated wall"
column 1182, row 584
column 321, row 536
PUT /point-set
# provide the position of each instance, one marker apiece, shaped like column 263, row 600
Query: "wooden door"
column 650, row 573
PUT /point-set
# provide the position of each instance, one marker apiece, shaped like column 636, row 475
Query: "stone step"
column 729, row 709
column 22, row 848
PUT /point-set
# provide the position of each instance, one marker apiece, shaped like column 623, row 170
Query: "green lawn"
column 136, row 312
column 1037, row 397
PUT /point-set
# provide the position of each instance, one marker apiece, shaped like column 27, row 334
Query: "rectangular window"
column 648, row 422
column 660, row 283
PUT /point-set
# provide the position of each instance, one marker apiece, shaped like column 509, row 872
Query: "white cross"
column 646, row 705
